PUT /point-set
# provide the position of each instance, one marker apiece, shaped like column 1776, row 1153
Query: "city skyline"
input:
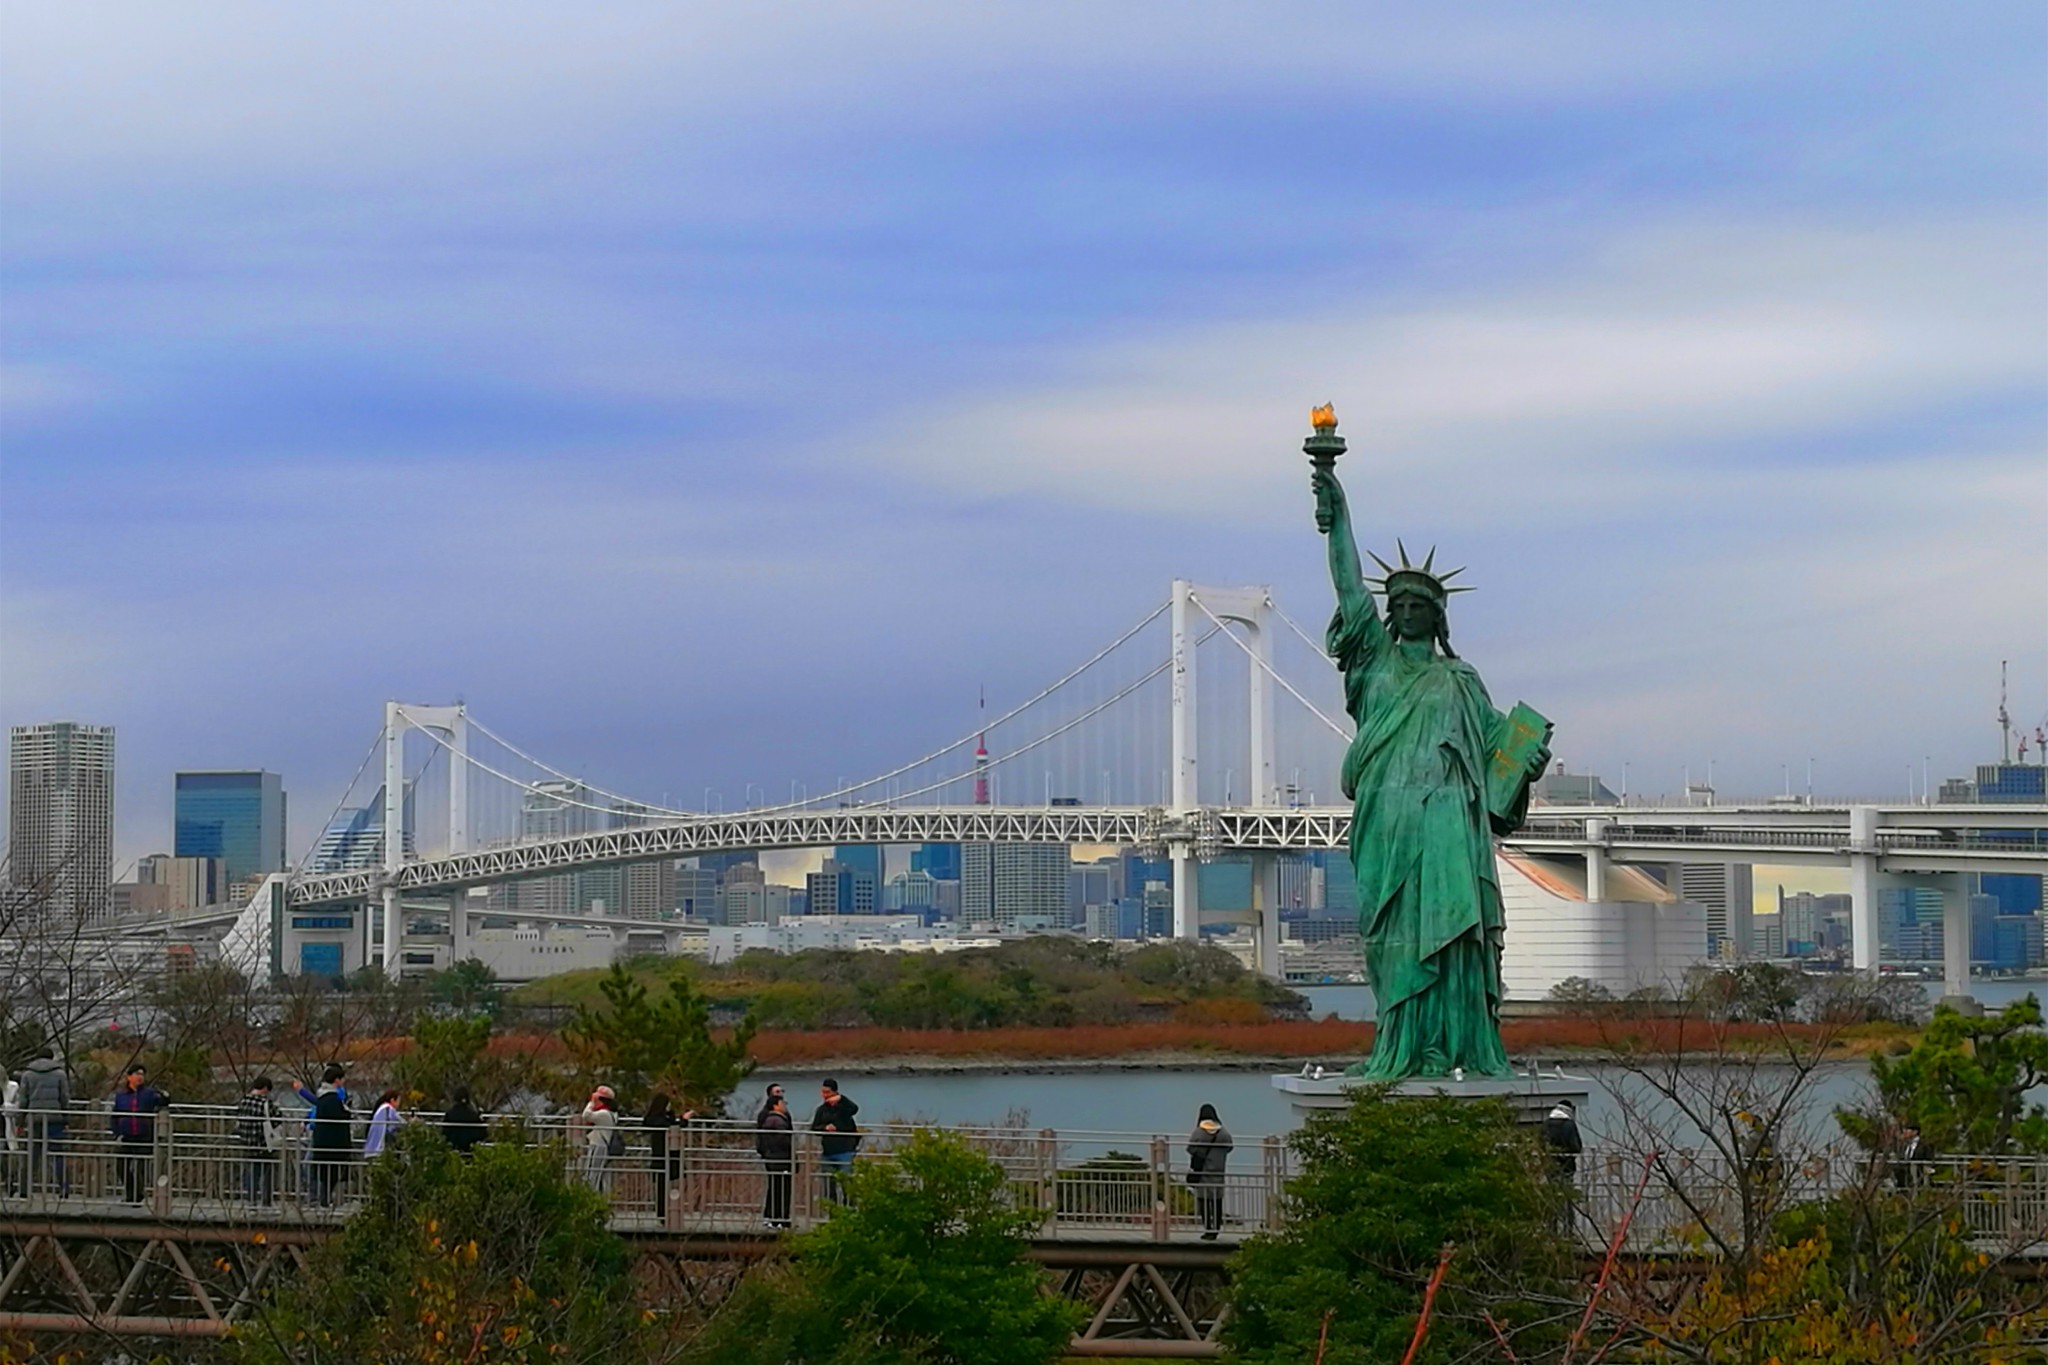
column 653, row 362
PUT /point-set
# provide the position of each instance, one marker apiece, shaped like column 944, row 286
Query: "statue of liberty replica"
column 1434, row 773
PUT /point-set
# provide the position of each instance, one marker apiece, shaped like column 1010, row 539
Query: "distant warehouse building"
column 1640, row 936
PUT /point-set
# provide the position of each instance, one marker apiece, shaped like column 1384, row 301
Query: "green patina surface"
column 1434, row 772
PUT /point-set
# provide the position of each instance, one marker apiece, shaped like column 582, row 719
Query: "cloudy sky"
column 714, row 395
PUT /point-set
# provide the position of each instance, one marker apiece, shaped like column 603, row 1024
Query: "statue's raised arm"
column 1433, row 773
column 1333, row 518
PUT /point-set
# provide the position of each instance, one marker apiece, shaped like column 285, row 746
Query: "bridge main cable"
column 931, row 757
column 1271, row 672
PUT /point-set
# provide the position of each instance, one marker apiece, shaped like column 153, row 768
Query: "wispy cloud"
column 1606, row 389
column 713, row 400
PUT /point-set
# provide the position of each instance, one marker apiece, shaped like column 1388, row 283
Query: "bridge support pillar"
column 394, row 834
column 1863, row 938
column 1596, row 860
column 1187, row 894
column 458, row 925
column 1955, row 937
column 1266, row 905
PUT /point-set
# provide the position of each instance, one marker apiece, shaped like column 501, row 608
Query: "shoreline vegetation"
column 1062, row 1002
column 1277, row 1045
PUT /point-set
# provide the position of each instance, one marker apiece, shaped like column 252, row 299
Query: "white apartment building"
column 60, row 826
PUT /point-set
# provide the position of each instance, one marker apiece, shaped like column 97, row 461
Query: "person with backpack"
column 260, row 1134
column 775, row 1142
column 1208, row 1149
column 603, row 1139
column 136, row 1105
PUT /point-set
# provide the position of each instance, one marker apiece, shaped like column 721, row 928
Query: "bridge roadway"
column 1903, row 840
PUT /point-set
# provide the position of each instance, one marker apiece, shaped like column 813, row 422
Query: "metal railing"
column 704, row 1176
column 1707, row 1201
column 708, row 1176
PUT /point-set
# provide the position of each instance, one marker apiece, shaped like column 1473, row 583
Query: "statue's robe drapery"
column 1421, row 845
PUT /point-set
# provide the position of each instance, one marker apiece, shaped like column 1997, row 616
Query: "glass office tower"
column 237, row 817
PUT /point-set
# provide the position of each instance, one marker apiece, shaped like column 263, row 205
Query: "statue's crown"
column 1421, row 579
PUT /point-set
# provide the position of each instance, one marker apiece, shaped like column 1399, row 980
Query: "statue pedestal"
column 1530, row 1094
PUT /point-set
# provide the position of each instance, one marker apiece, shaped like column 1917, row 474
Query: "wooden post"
column 1048, row 1179
column 1162, row 1191
column 804, row 1198
column 160, row 1166
column 1275, row 1156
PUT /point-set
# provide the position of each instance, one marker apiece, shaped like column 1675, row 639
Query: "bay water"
column 1138, row 1099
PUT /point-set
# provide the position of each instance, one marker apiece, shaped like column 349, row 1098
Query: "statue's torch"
column 1326, row 445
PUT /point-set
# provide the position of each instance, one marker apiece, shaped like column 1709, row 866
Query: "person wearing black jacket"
column 665, row 1147
column 840, row 1137
column 462, row 1127
column 1561, row 1135
column 133, row 1125
column 332, row 1144
column 776, row 1144
column 1208, row 1149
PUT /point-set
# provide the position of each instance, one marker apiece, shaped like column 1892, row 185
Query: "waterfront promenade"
column 1117, row 1226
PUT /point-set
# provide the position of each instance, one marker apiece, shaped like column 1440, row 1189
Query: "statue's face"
column 1412, row 617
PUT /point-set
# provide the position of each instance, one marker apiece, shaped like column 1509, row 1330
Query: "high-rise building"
column 183, row 883
column 1340, row 885
column 60, row 803
column 1902, row 911
column 1799, row 918
column 1014, row 886
column 556, row 810
column 908, row 891
column 1301, row 884
column 940, row 861
column 1727, row 891
column 1767, row 935
column 839, row 889
column 865, row 859
column 352, row 841
column 2012, row 784
column 1225, row 884
column 1091, row 885
column 642, row 890
column 237, row 817
column 698, row 893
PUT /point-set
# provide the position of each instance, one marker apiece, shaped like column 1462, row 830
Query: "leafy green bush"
column 925, row 1266
column 1385, row 1184
column 495, row 1258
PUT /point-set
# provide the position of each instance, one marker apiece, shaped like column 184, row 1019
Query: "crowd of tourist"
column 328, row 1142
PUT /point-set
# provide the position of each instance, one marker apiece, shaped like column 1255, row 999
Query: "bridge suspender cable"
column 1018, row 752
column 368, row 754
column 1271, row 672
column 1318, row 647
column 931, row 757
column 1022, row 749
